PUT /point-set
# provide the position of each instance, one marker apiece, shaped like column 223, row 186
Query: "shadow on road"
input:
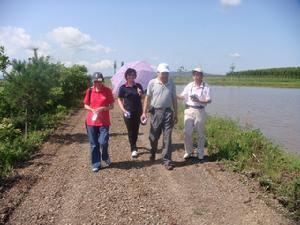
column 68, row 139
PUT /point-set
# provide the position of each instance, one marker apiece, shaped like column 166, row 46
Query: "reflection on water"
column 275, row 111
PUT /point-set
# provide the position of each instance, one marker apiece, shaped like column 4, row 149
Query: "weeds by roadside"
column 250, row 151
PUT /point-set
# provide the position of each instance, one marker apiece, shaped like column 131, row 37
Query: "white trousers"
column 194, row 118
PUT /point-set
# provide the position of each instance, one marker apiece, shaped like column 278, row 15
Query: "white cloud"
column 92, row 66
column 16, row 41
column 230, row 2
column 103, row 64
column 72, row 38
column 235, row 55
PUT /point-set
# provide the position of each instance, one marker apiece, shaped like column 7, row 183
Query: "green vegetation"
column 248, row 151
column 34, row 96
column 278, row 77
column 274, row 73
column 243, row 81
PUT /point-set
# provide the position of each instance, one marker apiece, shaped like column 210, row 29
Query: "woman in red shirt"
column 98, row 101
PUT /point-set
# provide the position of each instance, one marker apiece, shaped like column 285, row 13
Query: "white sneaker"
column 134, row 154
column 108, row 162
column 96, row 169
column 186, row 155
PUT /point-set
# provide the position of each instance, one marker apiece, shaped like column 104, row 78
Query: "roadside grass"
column 15, row 148
column 250, row 152
column 243, row 81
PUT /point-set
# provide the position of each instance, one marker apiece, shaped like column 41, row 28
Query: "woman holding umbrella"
column 129, row 99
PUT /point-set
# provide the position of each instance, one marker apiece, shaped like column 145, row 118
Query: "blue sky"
column 213, row 34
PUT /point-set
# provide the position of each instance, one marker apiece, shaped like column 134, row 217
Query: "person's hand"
column 143, row 117
column 101, row 109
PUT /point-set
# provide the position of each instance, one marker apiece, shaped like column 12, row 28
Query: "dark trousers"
column 98, row 138
column 162, row 121
column 133, row 125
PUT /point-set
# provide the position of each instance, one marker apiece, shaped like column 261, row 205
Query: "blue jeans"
column 98, row 138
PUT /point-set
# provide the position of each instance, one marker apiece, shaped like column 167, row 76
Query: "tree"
column 122, row 63
column 181, row 69
column 115, row 66
column 232, row 68
column 4, row 61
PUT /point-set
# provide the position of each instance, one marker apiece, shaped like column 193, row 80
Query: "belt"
column 194, row 107
column 165, row 109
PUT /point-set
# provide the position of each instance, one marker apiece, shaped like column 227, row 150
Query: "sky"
column 213, row 34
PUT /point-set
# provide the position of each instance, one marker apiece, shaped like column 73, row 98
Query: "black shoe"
column 169, row 167
column 152, row 157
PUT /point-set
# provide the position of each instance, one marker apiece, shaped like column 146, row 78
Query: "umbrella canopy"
column 144, row 74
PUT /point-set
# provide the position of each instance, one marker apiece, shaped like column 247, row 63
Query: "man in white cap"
column 195, row 95
column 161, row 94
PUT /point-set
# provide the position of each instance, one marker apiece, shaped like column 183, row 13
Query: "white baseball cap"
column 198, row 69
column 163, row 68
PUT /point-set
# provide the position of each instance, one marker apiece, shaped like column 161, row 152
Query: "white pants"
column 194, row 118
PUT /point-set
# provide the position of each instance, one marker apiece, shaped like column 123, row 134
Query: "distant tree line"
column 286, row 73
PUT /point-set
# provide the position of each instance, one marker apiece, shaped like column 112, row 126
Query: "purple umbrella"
column 144, row 74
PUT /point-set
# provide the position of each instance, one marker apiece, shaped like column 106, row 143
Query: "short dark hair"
column 129, row 71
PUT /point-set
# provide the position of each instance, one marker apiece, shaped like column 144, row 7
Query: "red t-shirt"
column 103, row 97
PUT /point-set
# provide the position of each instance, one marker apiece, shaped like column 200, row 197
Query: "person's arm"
column 87, row 100
column 180, row 97
column 104, row 108
column 174, row 101
column 121, row 104
column 175, row 110
column 87, row 107
column 145, row 108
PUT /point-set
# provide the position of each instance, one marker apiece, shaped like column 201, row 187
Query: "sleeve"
column 141, row 87
column 86, row 100
column 149, row 89
column 207, row 94
column 121, row 93
column 185, row 92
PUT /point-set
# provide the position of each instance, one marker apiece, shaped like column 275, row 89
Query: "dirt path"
column 57, row 186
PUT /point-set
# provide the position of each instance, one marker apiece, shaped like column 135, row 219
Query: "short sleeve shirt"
column 96, row 99
column 202, row 92
column 161, row 94
column 132, row 99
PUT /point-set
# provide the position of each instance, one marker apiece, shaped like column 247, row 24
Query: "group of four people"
column 160, row 101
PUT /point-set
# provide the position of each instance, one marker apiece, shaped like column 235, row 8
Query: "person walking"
column 196, row 95
column 98, row 101
column 161, row 96
column 129, row 99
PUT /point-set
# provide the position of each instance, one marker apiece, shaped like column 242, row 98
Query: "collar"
column 159, row 82
column 127, row 85
column 95, row 90
column 201, row 85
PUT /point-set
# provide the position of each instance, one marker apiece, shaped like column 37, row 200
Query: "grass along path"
column 249, row 152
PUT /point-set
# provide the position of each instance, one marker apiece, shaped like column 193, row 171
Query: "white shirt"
column 202, row 92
